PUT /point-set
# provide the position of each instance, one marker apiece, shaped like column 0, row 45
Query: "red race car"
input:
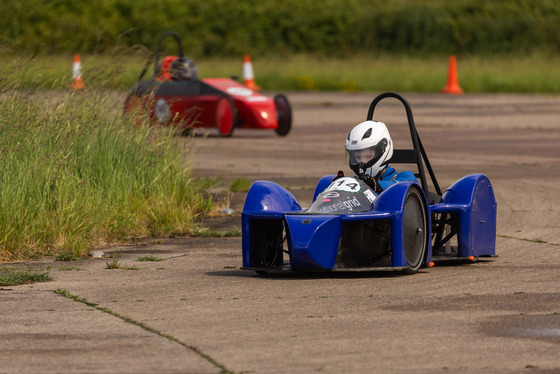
column 175, row 96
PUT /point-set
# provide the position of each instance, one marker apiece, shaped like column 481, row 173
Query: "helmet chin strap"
column 360, row 170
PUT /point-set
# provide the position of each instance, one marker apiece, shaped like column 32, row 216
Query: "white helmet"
column 369, row 147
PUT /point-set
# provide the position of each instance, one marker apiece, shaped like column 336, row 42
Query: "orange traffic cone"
column 77, row 82
column 452, row 79
column 248, row 76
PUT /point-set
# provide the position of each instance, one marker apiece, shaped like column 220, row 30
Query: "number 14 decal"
column 344, row 184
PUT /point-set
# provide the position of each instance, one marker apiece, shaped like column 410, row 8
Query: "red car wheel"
column 225, row 117
column 283, row 114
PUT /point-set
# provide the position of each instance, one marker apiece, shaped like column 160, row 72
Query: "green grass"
column 17, row 277
column 233, row 233
column 75, row 174
column 240, row 185
column 149, row 259
column 116, row 265
column 67, row 256
column 517, row 73
column 113, row 265
column 211, row 233
column 521, row 73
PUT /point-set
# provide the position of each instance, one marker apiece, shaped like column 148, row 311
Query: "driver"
column 370, row 149
column 183, row 68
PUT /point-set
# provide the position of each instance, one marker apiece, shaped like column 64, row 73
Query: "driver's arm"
column 397, row 177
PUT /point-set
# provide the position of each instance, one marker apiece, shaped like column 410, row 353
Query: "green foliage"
column 325, row 27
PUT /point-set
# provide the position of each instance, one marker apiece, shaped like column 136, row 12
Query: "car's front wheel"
column 225, row 116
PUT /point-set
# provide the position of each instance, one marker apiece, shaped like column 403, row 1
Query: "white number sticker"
column 344, row 184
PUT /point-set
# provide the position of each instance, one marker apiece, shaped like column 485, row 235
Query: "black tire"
column 283, row 114
column 415, row 230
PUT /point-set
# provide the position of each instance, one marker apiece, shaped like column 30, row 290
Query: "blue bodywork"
column 405, row 227
column 313, row 240
column 471, row 200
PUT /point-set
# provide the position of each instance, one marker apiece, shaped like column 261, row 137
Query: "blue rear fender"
column 472, row 200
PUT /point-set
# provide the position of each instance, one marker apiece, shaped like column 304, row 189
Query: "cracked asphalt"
column 197, row 312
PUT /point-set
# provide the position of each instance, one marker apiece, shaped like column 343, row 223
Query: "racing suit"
column 390, row 177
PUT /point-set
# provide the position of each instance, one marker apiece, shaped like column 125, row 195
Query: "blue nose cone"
column 313, row 241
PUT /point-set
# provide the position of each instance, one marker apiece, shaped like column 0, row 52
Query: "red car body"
column 212, row 102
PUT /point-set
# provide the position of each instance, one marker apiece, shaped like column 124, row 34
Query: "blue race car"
column 349, row 227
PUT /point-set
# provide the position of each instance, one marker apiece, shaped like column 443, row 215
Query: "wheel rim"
column 414, row 229
column 162, row 111
column 283, row 114
column 224, row 117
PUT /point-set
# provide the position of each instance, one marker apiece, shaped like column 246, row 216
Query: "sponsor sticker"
column 370, row 195
column 239, row 91
column 349, row 204
column 256, row 99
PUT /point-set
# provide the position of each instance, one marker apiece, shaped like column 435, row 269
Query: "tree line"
column 268, row 27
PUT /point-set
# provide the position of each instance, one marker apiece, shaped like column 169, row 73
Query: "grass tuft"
column 113, row 265
column 14, row 278
column 149, row 259
column 211, row 233
column 240, row 185
column 67, row 256
column 233, row 233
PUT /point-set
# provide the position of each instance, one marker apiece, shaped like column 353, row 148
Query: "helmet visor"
column 367, row 156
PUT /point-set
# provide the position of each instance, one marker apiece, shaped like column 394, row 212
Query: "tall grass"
column 515, row 73
column 75, row 174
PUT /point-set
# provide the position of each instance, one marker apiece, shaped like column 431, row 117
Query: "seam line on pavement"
column 79, row 299
column 529, row 240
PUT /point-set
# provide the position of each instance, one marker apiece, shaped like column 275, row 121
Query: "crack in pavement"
column 68, row 295
column 528, row 240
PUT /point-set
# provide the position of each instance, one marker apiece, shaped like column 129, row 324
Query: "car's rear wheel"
column 415, row 230
column 225, row 116
column 283, row 114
